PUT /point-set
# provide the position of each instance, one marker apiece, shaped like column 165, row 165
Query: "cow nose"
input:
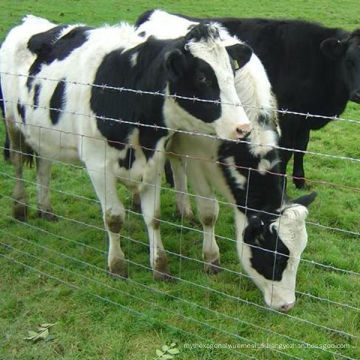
column 287, row 306
column 242, row 131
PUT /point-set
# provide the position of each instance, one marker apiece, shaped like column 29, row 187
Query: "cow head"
column 347, row 51
column 270, row 247
column 202, row 66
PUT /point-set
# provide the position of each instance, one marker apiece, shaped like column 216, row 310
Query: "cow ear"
column 254, row 227
column 332, row 48
column 240, row 54
column 175, row 64
column 305, row 200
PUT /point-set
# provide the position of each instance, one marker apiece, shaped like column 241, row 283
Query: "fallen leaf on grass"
column 42, row 333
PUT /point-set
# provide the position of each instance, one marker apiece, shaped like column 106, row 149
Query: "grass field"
column 54, row 272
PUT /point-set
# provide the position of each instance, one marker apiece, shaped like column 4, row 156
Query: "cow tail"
column 7, row 141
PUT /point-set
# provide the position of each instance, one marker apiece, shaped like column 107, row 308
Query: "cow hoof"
column 300, row 183
column 20, row 211
column 212, row 268
column 162, row 276
column 161, row 271
column 118, row 268
column 47, row 215
column 186, row 214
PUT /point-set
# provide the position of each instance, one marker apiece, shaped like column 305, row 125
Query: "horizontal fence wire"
column 311, row 262
column 181, row 227
column 170, row 253
column 175, row 96
column 124, row 307
column 158, row 127
column 247, row 302
column 159, row 291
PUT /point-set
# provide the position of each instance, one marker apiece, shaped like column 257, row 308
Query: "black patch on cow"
column 203, row 31
column 144, row 17
column 199, row 82
column 49, row 47
column 129, row 159
column 269, row 255
column 188, row 76
column 113, row 106
column 142, row 34
column 21, row 111
column 57, row 102
column 255, row 194
column 36, row 95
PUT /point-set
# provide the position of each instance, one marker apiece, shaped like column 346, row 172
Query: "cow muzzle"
column 242, row 131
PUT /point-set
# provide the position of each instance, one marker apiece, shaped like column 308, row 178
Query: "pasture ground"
column 98, row 317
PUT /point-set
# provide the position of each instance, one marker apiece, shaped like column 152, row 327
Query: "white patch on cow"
column 262, row 140
column 265, row 165
column 239, row 179
column 133, row 59
column 176, row 117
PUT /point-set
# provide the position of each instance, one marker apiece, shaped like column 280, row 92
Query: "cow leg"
column 298, row 169
column 104, row 183
column 150, row 206
column 183, row 205
column 43, row 172
column 17, row 158
column 208, row 210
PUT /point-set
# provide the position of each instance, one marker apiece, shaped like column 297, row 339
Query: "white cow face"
column 270, row 248
column 203, row 68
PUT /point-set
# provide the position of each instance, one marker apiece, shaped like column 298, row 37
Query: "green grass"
column 101, row 318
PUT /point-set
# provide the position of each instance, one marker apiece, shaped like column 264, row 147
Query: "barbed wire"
column 171, row 130
column 175, row 96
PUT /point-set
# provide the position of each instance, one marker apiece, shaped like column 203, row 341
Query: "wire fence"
column 192, row 306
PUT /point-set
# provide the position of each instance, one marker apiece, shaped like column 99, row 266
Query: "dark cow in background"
column 64, row 120
column 312, row 69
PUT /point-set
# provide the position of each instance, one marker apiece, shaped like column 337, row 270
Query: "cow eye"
column 202, row 79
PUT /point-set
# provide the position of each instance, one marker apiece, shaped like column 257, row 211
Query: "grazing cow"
column 270, row 230
column 312, row 69
column 45, row 72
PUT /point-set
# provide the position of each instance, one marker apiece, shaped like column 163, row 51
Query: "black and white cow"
column 312, row 69
column 270, row 230
column 252, row 86
column 45, row 70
